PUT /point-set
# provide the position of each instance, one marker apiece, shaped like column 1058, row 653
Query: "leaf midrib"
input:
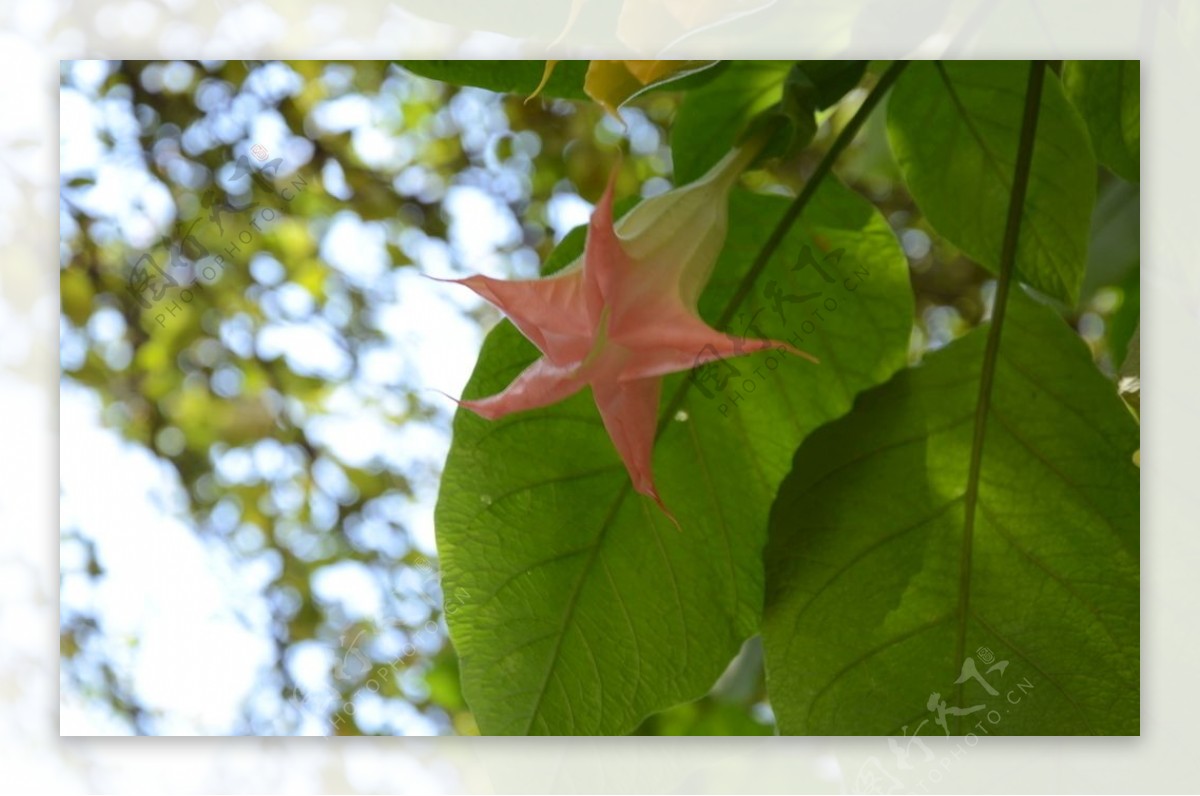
column 992, row 159
column 573, row 601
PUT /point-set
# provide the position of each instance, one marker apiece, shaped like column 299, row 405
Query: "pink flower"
column 624, row 314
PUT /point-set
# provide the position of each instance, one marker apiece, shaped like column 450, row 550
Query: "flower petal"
column 681, row 341
column 541, row 384
column 630, row 414
column 551, row 312
column 606, row 265
column 676, row 237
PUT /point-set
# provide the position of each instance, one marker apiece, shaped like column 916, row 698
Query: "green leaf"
column 1114, row 252
column 711, row 117
column 953, row 127
column 810, row 86
column 1108, row 95
column 1124, row 322
column 706, row 717
column 507, row 77
column 831, row 80
column 883, row 577
column 588, row 611
column 749, row 95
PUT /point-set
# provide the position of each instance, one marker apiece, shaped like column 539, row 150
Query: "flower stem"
column 987, row 373
column 810, row 188
column 789, row 218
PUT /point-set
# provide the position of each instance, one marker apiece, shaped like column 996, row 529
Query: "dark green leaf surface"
column 711, row 117
column 588, row 611
column 832, row 80
column 1108, row 95
column 1114, row 252
column 866, row 575
column 953, row 127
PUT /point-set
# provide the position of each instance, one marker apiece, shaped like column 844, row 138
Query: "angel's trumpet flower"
column 624, row 314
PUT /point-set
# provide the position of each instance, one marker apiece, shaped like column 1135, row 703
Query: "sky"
column 185, row 616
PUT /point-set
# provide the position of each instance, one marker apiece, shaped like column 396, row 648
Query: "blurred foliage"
column 243, row 229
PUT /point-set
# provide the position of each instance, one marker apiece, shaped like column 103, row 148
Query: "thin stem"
column 1008, row 256
column 793, row 212
column 802, row 199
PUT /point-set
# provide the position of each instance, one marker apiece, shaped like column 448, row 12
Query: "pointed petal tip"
column 443, row 393
column 610, row 187
column 546, row 73
column 444, row 279
column 663, row 508
column 475, row 282
column 459, row 402
column 480, row 284
column 791, row 349
column 483, row 407
column 671, row 517
column 649, row 491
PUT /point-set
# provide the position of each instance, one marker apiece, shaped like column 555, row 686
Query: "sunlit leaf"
column 953, row 126
column 885, row 575
column 1108, row 95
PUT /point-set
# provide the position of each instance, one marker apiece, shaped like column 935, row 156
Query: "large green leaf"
column 953, row 127
column 884, row 576
column 1108, row 94
column 588, row 611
